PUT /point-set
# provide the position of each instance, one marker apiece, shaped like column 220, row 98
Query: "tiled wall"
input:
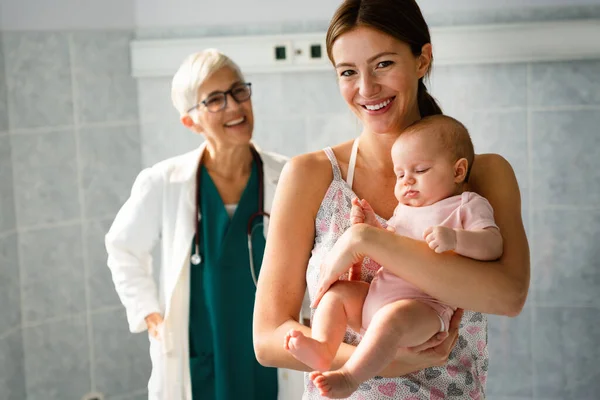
column 544, row 119
column 75, row 129
column 12, row 379
column 71, row 141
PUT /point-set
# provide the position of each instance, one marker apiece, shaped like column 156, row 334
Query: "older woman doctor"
column 210, row 210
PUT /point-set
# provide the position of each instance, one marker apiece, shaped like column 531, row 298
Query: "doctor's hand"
column 340, row 258
column 153, row 322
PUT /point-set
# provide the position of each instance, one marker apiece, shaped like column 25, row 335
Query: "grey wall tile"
column 568, row 83
column 161, row 140
column 10, row 284
column 566, row 258
column 100, row 284
column 510, row 370
column 493, row 397
column 566, row 158
column 285, row 136
column 330, row 130
column 38, row 74
column 476, row 87
column 111, row 159
column 104, row 97
column 3, row 92
column 122, row 360
column 52, row 273
column 566, row 353
column 295, row 94
column 312, row 93
column 57, row 362
column 12, row 371
column 554, row 11
column 105, row 89
column 7, row 203
column 142, row 395
column 154, row 101
column 45, row 170
column 505, row 133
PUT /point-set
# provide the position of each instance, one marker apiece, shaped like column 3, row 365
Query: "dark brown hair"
column 401, row 19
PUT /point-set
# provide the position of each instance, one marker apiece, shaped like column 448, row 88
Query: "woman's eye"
column 347, row 72
column 384, row 64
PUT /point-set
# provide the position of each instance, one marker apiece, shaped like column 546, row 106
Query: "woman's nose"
column 231, row 104
column 368, row 86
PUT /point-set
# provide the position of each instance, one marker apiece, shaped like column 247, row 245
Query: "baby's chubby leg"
column 340, row 306
column 404, row 323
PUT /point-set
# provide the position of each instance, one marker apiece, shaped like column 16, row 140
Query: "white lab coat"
column 162, row 205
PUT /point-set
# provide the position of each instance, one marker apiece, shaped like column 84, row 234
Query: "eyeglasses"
column 218, row 100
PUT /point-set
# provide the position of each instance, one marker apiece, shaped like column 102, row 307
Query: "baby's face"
column 424, row 170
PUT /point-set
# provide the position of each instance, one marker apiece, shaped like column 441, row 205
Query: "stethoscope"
column 195, row 258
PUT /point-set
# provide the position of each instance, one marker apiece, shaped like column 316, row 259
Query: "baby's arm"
column 362, row 213
column 479, row 237
column 481, row 244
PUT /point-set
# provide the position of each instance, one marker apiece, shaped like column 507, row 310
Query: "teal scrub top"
column 223, row 365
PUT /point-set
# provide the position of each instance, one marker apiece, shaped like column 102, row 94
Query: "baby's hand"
column 362, row 213
column 440, row 238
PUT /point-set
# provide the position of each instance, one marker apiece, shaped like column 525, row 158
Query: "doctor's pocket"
column 156, row 384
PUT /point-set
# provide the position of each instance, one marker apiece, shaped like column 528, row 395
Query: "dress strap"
column 337, row 174
column 352, row 164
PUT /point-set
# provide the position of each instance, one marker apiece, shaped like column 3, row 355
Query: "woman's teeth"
column 378, row 106
column 236, row 122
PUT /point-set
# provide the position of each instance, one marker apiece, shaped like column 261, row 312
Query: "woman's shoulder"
column 490, row 169
column 490, row 162
column 309, row 166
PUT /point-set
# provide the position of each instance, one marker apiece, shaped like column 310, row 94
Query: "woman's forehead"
column 363, row 43
column 220, row 80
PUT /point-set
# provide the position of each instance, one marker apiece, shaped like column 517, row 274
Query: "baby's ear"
column 460, row 170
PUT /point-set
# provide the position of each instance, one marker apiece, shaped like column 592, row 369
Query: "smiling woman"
column 209, row 207
column 381, row 51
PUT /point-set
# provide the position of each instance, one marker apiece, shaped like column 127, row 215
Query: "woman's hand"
column 154, row 322
column 433, row 353
column 339, row 260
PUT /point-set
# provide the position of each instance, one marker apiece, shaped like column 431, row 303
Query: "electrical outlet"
column 280, row 53
column 308, row 51
column 315, row 51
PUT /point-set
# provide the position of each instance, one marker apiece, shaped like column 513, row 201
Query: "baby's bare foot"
column 334, row 384
column 308, row 351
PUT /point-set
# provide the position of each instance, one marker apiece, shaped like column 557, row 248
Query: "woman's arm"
column 494, row 287
column 282, row 282
column 290, row 239
column 129, row 244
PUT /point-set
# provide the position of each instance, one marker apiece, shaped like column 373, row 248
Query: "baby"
column 432, row 160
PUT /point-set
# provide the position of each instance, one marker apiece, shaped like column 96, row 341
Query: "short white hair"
column 194, row 70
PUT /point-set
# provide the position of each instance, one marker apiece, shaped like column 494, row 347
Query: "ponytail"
column 427, row 104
